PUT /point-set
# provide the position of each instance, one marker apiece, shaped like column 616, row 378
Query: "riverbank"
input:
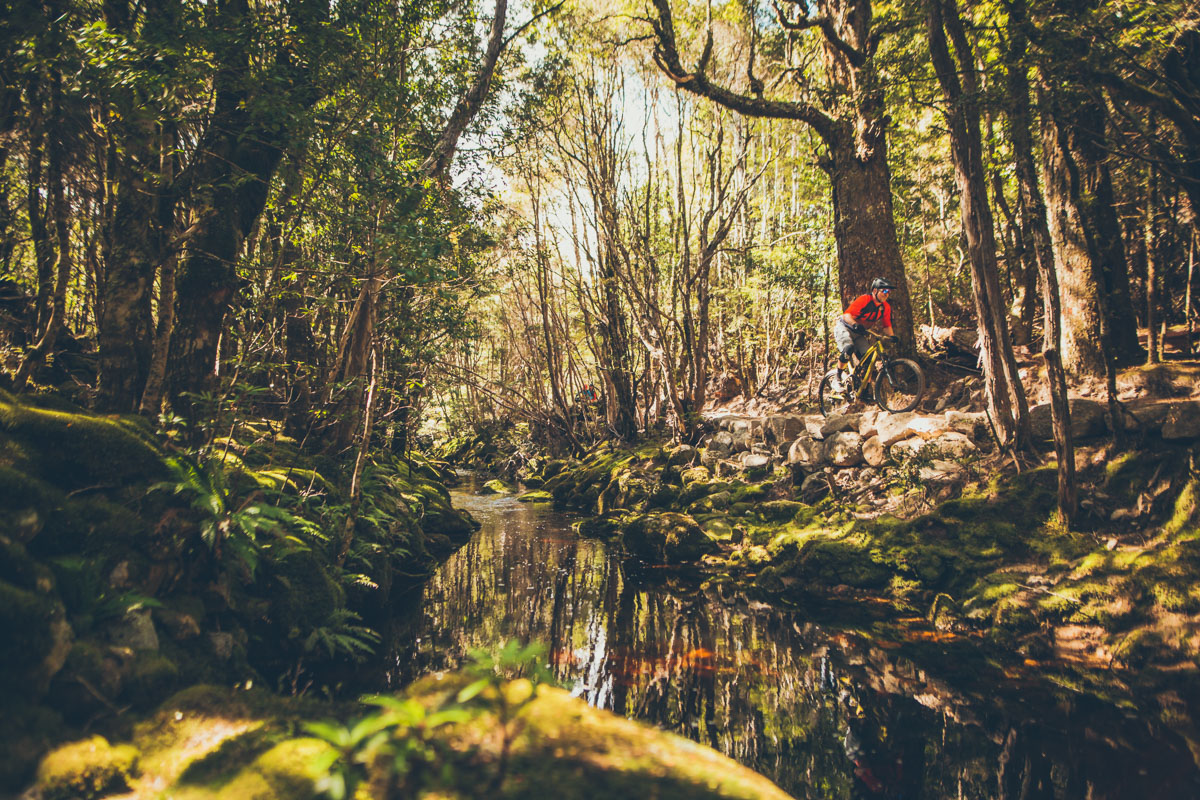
column 132, row 566
column 952, row 539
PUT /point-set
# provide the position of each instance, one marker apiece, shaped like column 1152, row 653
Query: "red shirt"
column 865, row 311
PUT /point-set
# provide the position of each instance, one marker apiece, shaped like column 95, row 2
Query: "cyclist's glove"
column 859, row 329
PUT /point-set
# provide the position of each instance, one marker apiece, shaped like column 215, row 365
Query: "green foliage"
column 402, row 738
column 339, row 636
column 89, row 598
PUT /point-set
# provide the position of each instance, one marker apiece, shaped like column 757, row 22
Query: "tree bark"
column 1033, row 211
column 1005, row 393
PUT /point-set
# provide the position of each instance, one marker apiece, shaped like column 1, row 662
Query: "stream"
column 824, row 711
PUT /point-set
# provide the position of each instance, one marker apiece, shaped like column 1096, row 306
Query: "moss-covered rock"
column 496, row 486
column 86, row 769
column 668, row 538
column 536, row 497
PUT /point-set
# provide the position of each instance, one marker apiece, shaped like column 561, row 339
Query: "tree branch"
column 666, row 56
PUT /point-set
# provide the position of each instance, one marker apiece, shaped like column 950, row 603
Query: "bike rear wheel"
column 834, row 399
column 899, row 385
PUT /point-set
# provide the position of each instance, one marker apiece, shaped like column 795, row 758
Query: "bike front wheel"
column 899, row 385
column 834, row 397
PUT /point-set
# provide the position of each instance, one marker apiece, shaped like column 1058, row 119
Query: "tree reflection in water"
column 825, row 713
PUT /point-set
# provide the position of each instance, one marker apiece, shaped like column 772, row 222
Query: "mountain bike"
column 897, row 383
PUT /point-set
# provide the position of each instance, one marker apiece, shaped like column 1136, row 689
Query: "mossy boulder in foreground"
column 208, row 743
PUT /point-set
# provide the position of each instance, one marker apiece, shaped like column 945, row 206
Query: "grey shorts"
column 848, row 341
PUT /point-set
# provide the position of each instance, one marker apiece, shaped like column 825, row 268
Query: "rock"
column 536, row 497
column 741, row 441
column 1087, row 420
column 684, row 455
column 727, row 469
column 135, row 630
column 783, row 427
column 874, row 452
column 838, row 423
column 938, row 471
column 222, row 644
column 968, row 423
column 718, row 529
column 1182, row 422
column 806, row 451
column 812, row 425
column 179, row 625
column 721, row 442
column 780, row 510
column 892, row 428
column 844, row 449
column 88, row 768
column 695, row 474
column 908, row 448
column 952, row 444
column 718, row 501
column 927, row 427
column 814, row 487
column 667, row 538
column 755, row 461
column 868, row 424
column 496, row 486
column 710, row 457
column 1146, row 417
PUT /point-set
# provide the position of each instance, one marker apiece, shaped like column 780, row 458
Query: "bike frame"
column 864, row 370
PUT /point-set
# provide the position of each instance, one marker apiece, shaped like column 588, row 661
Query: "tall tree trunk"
column 60, row 215
column 1005, row 393
column 1033, row 211
column 1150, row 230
column 1087, row 340
column 864, row 225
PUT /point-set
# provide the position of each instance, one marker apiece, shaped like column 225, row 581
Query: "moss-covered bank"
column 992, row 558
column 130, row 568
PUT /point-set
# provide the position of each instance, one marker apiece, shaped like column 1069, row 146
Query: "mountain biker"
column 850, row 332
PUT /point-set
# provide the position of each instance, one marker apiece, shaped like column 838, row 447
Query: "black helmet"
column 881, row 283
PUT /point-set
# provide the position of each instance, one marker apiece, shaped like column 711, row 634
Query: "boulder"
column 838, row 423
column 927, row 427
column 806, row 452
column 741, row 441
column 906, row 449
column 135, row 630
column 721, row 442
column 952, row 444
column 755, row 463
column 938, row 471
column 891, row 428
column 814, row 487
column 727, row 469
column 969, row 423
column 812, row 425
column 694, row 474
column 684, row 455
column 868, row 424
column 666, row 538
column 783, row 427
column 1087, row 420
column 496, row 486
column 874, row 452
column 844, row 449
column 1182, row 422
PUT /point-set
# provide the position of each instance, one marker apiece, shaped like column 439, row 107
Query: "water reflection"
column 825, row 713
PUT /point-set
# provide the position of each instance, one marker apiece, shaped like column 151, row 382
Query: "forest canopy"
column 407, row 212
